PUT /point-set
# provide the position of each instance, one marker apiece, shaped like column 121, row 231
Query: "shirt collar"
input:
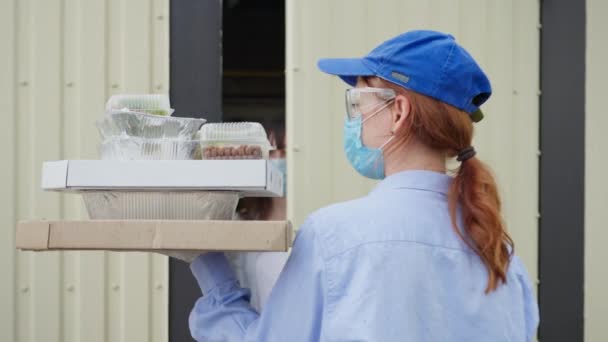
column 417, row 180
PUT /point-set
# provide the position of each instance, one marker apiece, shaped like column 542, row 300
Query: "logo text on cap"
column 401, row 77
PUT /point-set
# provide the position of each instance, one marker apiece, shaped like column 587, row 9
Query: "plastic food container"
column 134, row 148
column 234, row 140
column 161, row 205
column 157, row 104
column 134, row 124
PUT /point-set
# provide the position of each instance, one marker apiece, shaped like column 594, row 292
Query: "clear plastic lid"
column 157, row 104
column 134, row 124
column 234, row 133
column 133, row 148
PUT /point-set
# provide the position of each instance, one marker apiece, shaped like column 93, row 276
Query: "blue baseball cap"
column 427, row 62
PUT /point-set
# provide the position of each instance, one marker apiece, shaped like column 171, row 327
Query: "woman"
column 423, row 257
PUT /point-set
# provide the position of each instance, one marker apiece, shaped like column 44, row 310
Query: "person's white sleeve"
column 294, row 311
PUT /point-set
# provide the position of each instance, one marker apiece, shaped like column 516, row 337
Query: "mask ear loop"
column 386, row 143
column 378, row 111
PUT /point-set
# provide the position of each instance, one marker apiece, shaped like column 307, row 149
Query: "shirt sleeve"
column 531, row 313
column 294, row 311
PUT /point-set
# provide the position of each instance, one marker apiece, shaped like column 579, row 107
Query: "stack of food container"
column 145, row 177
column 140, row 127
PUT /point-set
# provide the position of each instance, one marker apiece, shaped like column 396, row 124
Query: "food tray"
column 134, row 124
column 161, row 205
column 147, row 149
column 234, row 140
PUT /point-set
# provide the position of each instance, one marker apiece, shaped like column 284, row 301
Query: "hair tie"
column 466, row 154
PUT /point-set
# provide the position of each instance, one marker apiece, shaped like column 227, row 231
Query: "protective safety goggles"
column 366, row 101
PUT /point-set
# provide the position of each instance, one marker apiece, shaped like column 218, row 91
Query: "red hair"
column 448, row 129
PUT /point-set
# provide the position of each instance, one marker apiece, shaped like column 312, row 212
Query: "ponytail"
column 474, row 189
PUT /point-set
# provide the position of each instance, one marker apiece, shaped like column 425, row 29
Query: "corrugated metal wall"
column 502, row 35
column 59, row 61
column 596, row 169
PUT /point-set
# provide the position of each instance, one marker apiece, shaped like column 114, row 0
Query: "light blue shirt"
column 385, row 267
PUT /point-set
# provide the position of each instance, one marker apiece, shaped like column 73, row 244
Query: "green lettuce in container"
column 156, row 104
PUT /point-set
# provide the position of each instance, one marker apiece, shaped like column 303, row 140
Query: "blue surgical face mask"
column 281, row 164
column 369, row 162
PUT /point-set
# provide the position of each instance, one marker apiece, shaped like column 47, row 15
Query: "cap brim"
column 348, row 69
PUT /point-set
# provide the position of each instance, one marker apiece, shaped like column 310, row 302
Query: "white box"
column 253, row 178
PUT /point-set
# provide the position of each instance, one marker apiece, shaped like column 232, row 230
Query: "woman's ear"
column 401, row 110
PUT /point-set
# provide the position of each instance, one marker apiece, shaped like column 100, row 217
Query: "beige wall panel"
column 8, row 103
column 60, row 60
column 596, row 169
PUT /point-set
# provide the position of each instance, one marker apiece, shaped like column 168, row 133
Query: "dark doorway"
column 227, row 64
column 254, row 61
